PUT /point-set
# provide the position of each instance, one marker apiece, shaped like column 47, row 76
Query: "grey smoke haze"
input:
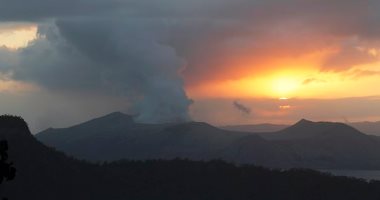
column 84, row 55
column 242, row 108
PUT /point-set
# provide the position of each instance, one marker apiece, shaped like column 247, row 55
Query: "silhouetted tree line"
column 7, row 171
column 11, row 121
column 43, row 173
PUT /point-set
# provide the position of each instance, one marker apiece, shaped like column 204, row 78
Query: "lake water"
column 364, row 174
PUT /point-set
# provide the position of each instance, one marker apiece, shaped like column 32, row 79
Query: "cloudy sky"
column 220, row 61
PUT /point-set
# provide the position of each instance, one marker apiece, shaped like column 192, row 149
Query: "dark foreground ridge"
column 43, row 173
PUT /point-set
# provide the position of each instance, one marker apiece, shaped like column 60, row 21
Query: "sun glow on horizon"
column 285, row 86
column 302, row 84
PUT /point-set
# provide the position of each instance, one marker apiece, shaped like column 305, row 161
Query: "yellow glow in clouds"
column 15, row 36
column 10, row 86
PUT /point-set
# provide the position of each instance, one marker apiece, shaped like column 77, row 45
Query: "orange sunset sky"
column 286, row 61
column 274, row 74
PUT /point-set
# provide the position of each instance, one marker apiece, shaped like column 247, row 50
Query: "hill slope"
column 119, row 137
column 255, row 128
column 329, row 145
column 370, row 128
column 305, row 144
column 45, row 174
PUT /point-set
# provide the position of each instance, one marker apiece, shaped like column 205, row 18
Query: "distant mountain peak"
column 192, row 125
column 116, row 114
column 304, row 122
column 308, row 129
column 308, row 123
column 112, row 119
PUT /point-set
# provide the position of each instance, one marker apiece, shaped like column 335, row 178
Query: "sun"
column 284, row 87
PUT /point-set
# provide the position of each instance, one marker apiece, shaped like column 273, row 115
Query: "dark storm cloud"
column 35, row 10
column 7, row 58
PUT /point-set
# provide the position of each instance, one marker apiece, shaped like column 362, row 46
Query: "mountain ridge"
column 367, row 127
column 307, row 129
column 290, row 147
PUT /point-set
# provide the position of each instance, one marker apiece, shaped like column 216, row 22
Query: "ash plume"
column 242, row 108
